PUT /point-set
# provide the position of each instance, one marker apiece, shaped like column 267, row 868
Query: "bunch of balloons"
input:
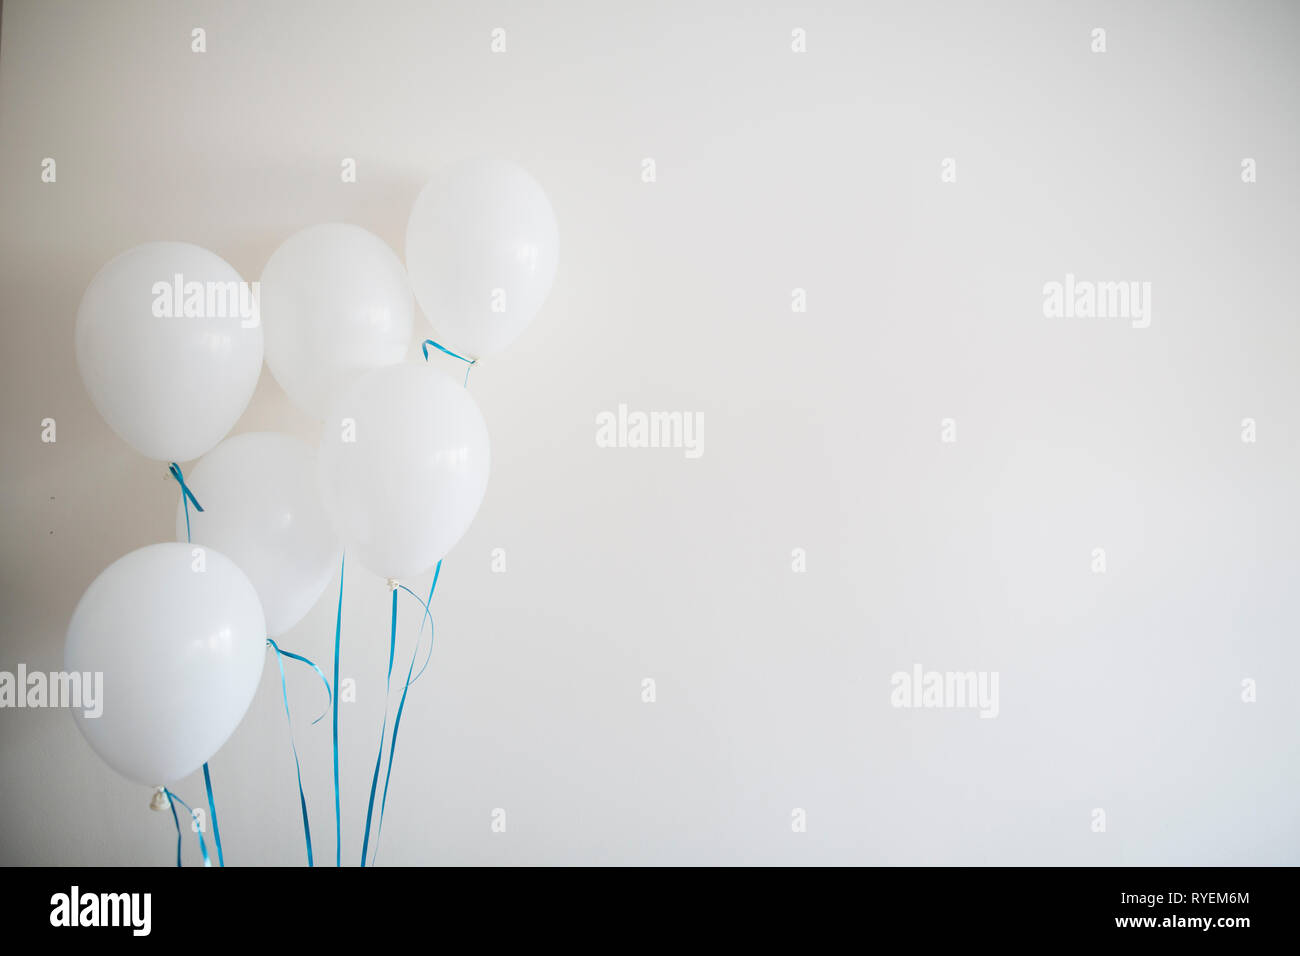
column 170, row 343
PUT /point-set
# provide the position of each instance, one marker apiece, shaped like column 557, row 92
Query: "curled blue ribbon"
column 319, row 673
column 280, row 655
column 470, row 363
column 172, row 800
column 428, row 615
column 397, row 721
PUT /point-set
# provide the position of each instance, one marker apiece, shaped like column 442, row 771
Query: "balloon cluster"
column 170, row 343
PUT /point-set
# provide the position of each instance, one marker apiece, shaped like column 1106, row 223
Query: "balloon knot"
column 159, row 801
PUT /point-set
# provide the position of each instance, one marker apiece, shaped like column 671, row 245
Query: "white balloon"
column 335, row 303
column 481, row 248
column 262, row 509
column 170, row 373
column 180, row 646
column 403, row 468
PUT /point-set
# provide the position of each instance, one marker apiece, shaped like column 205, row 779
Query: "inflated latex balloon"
column 262, row 509
column 481, row 248
column 180, row 641
column 335, row 304
column 170, row 348
column 403, row 468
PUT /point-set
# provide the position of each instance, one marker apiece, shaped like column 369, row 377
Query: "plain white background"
column 775, row 171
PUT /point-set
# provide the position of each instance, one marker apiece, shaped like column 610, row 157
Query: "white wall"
column 775, row 170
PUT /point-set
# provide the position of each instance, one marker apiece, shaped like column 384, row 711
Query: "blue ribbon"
column 172, row 800
column 187, row 496
column 319, row 673
column 284, row 691
column 383, row 729
column 470, row 363
column 397, row 721
column 338, row 630
column 212, row 812
column 429, row 616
